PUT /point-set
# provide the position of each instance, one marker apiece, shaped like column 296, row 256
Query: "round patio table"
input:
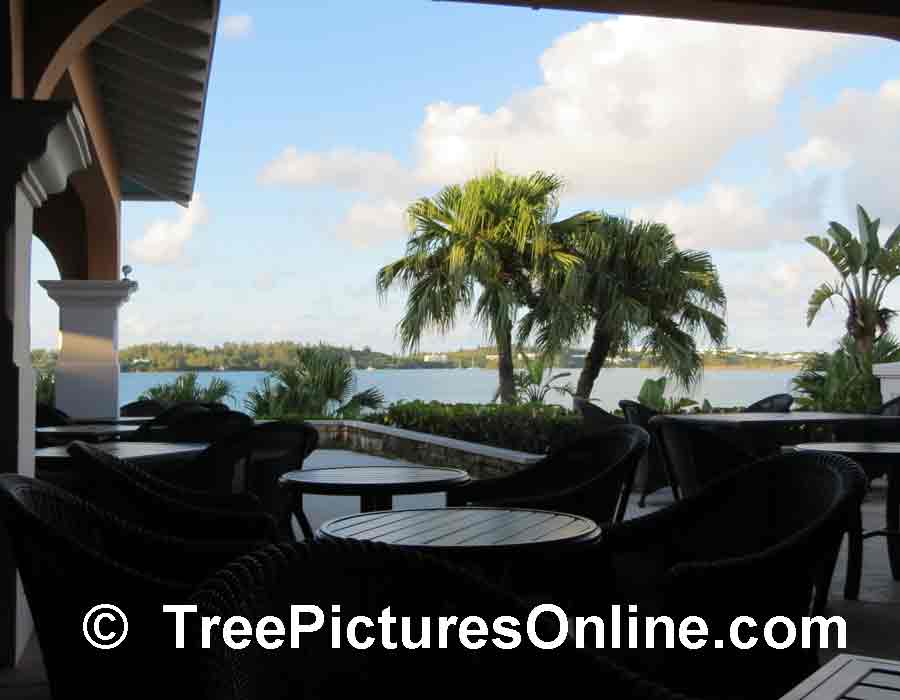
column 468, row 530
column 375, row 485
column 885, row 455
column 88, row 433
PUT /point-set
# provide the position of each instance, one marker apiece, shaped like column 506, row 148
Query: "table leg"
column 375, row 501
column 297, row 509
column 854, row 554
column 893, row 521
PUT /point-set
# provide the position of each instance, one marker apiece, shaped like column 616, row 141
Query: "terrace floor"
column 872, row 621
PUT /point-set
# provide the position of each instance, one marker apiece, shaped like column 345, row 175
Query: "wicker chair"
column 121, row 488
column 594, row 416
column 759, row 542
column 277, row 448
column 696, row 455
column 73, row 556
column 142, row 408
column 192, row 422
column 591, row 477
column 776, row 403
column 363, row 579
column 652, row 473
column 48, row 417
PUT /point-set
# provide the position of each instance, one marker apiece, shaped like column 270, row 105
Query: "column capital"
column 90, row 292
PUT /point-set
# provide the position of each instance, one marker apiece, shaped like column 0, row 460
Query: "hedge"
column 527, row 428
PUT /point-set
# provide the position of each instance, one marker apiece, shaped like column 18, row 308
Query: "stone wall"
column 481, row 461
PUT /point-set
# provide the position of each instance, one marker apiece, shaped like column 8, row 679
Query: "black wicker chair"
column 192, row 422
column 363, row 579
column 591, row 477
column 73, row 556
column 142, row 408
column 47, row 416
column 777, row 403
column 594, row 416
column 696, row 455
column 277, row 448
column 760, row 542
column 652, row 473
column 121, row 488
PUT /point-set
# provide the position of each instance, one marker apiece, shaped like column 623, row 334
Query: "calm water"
column 721, row 387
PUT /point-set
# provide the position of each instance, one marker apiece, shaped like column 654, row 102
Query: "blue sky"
column 321, row 124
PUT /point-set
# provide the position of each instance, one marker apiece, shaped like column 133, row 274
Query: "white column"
column 888, row 374
column 42, row 143
column 87, row 371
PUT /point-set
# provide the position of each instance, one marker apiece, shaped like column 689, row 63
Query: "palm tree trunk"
column 505, row 368
column 593, row 362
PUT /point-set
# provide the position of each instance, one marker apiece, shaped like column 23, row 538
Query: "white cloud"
column 817, row 153
column 629, row 107
column 164, row 240
column 734, row 217
column 264, row 281
column 342, row 168
column 237, row 26
column 372, row 223
column 864, row 128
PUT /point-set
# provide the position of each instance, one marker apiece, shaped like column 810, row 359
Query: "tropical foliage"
column 525, row 427
column 653, row 395
column 187, row 387
column 319, row 384
column 866, row 269
column 480, row 247
column 45, row 386
column 632, row 284
column 843, row 380
column 533, row 383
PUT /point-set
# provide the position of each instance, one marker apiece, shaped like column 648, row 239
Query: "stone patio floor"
column 873, row 621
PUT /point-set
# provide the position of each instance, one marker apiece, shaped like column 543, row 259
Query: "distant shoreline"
column 712, row 368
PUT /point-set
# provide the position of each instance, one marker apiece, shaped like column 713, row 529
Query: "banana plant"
column 866, row 269
column 653, row 395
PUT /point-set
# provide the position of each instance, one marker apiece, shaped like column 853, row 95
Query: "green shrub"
column 528, row 428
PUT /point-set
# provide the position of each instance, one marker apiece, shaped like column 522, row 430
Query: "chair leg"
column 854, row 554
column 297, row 510
column 823, row 587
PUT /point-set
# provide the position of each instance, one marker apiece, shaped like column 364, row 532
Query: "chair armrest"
column 521, row 483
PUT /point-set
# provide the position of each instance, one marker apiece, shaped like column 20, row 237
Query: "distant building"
column 439, row 357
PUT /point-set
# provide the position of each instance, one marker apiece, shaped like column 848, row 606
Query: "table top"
column 466, row 528
column 121, row 420
column 134, row 451
column 790, row 418
column 87, row 430
column 383, row 479
column 851, row 677
column 851, row 448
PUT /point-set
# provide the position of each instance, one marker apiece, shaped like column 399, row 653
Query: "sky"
column 322, row 124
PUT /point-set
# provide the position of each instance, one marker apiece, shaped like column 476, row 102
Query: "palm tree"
column 320, row 383
column 479, row 247
column 866, row 269
column 187, row 387
column 633, row 284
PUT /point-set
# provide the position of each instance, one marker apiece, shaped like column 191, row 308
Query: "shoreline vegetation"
column 262, row 357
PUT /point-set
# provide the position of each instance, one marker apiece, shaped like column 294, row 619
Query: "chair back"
column 776, row 403
column 276, row 448
column 696, row 455
column 126, row 490
column 72, row 556
column 594, row 416
column 142, row 408
column 47, row 416
column 652, row 473
column 364, row 578
column 190, row 422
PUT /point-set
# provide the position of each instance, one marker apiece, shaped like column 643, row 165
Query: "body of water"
column 737, row 387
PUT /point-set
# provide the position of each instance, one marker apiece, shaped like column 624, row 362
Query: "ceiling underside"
column 873, row 17
column 152, row 71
